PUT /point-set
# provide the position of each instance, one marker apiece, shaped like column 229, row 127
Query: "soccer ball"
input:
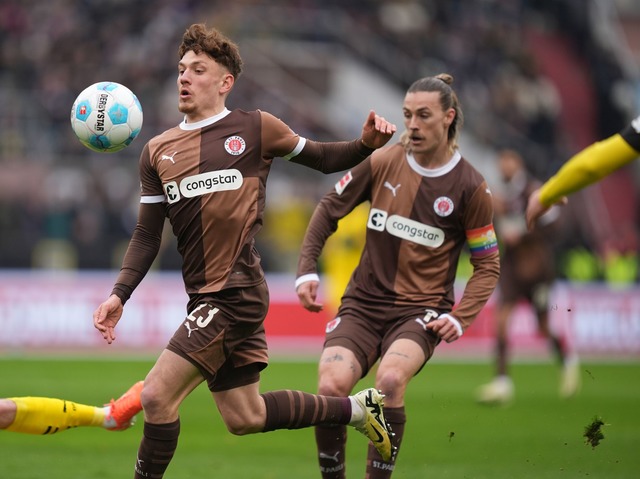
column 106, row 117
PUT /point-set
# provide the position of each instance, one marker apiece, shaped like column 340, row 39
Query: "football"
column 106, row 117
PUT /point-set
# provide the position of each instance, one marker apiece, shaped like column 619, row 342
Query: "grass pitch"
column 448, row 435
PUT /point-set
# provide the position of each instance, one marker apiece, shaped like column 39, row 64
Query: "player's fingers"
column 449, row 334
column 532, row 216
column 104, row 331
column 387, row 127
column 305, row 298
column 307, row 294
column 108, row 334
column 441, row 327
column 434, row 325
column 98, row 318
column 315, row 307
column 441, row 330
column 371, row 119
column 384, row 126
column 530, row 221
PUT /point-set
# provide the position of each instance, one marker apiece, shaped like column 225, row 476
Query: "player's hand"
column 444, row 328
column 307, row 294
column 535, row 209
column 107, row 316
column 376, row 131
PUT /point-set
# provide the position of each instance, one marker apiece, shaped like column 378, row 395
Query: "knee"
column 7, row 413
column 392, row 384
column 148, row 399
column 156, row 406
column 338, row 381
column 330, row 386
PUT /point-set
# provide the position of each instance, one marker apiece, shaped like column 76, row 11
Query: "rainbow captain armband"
column 482, row 241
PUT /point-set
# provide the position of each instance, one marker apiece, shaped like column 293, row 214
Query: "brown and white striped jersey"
column 211, row 175
column 419, row 221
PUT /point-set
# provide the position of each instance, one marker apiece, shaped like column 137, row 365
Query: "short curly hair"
column 198, row 38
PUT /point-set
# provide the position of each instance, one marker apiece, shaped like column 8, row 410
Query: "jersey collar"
column 202, row 123
column 434, row 172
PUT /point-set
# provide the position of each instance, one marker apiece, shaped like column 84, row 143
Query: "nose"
column 411, row 122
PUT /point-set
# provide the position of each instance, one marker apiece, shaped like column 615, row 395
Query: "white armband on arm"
column 296, row 151
column 453, row 321
column 306, row 278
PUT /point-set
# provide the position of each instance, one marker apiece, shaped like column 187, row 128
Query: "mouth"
column 184, row 94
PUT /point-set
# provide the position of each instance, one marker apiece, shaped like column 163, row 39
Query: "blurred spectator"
column 530, row 102
column 50, row 51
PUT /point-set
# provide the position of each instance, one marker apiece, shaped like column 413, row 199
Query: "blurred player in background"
column 45, row 416
column 427, row 202
column 342, row 254
column 208, row 176
column 527, row 273
column 584, row 168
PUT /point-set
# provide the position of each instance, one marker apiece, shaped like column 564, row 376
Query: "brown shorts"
column 527, row 271
column 223, row 336
column 369, row 330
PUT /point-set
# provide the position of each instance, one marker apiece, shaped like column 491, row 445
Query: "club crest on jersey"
column 343, row 182
column 443, row 206
column 235, row 145
column 333, row 324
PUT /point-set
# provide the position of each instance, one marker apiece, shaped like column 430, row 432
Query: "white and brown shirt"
column 209, row 179
column 419, row 221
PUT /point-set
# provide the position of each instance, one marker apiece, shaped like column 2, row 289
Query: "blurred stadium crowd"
column 545, row 78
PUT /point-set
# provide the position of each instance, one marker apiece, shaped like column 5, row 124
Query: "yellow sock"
column 39, row 415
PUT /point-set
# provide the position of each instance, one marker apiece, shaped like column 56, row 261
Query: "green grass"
column 448, row 434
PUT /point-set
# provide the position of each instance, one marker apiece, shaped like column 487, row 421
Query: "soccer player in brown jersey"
column 426, row 203
column 208, row 176
column 528, row 272
column 584, row 168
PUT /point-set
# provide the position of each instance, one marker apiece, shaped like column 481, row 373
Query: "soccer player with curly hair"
column 208, row 176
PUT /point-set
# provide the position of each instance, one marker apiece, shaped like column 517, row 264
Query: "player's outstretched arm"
column 376, row 131
column 584, row 168
column 107, row 316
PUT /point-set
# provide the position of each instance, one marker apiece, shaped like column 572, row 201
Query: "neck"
column 203, row 114
column 435, row 158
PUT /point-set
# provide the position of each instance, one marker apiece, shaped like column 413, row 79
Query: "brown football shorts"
column 368, row 330
column 223, row 336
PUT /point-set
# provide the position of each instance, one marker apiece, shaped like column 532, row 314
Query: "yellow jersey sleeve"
column 588, row 166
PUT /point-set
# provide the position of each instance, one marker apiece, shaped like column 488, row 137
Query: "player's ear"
column 227, row 83
column 449, row 116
